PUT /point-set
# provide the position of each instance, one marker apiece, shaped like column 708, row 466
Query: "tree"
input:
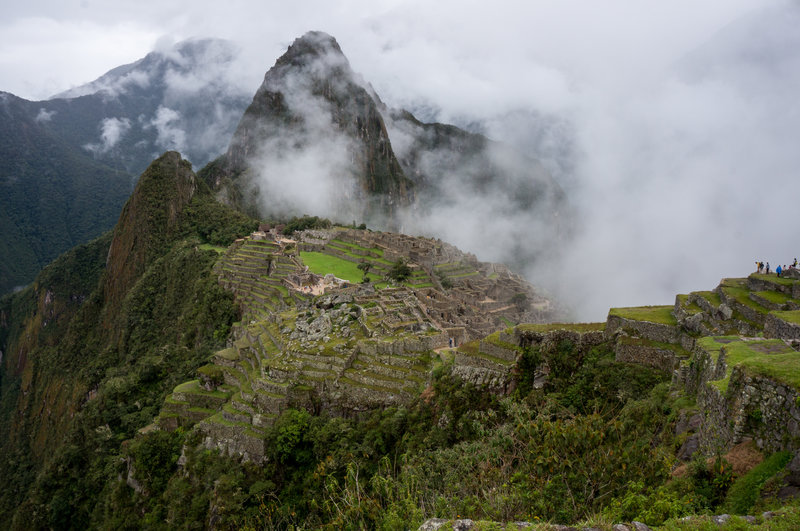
column 365, row 267
column 400, row 271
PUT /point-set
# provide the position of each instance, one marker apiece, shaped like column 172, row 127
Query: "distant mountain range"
column 68, row 164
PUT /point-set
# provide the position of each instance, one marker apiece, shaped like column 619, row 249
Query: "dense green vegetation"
column 306, row 223
column 548, row 454
column 595, row 445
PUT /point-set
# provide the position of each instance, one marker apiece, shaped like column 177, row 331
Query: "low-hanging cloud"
column 44, row 115
column 170, row 135
column 111, row 132
column 304, row 165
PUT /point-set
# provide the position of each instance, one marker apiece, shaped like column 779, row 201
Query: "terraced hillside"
column 315, row 336
column 735, row 348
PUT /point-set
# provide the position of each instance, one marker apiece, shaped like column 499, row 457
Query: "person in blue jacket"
column 778, row 270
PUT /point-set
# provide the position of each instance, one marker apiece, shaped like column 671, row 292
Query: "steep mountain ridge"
column 113, row 319
column 311, row 104
column 148, row 220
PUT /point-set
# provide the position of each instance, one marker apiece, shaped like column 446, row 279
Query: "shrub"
column 306, row 223
column 745, row 491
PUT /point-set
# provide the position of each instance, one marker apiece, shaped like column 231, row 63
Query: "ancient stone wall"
column 652, row 331
column 651, row 356
column 753, row 406
column 776, row 327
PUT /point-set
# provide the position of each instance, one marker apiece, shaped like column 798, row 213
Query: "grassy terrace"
column 495, row 340
column 652, row 314
column 773, row 296
column 742, row 296
column 775, row 279
column 248, row 429
column 790, row 316
column 770, row 358
column 550, row 327
column 690, row 308
column 710, row 296
column 473, row 349
column 209, row 247
column 713, row 345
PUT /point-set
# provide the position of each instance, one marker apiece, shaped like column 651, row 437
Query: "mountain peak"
column 314, row 128
column 316, row 43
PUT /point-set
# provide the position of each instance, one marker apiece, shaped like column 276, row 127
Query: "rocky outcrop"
column 149, row 219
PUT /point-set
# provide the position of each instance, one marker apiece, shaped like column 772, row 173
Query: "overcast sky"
column 681, row 117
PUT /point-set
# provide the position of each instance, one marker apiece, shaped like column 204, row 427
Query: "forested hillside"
column 52, row 197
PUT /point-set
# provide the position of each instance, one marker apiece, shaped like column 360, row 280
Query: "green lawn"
column 322, row 264
column 652, row 314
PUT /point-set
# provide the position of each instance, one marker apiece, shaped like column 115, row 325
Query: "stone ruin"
column 309, row 340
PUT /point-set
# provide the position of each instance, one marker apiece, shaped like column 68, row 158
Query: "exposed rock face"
column 313, row 109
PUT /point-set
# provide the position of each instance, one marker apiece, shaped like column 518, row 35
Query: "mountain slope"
column 183, row 98
column 98, row 339
column 52, row 197
column 68, row 163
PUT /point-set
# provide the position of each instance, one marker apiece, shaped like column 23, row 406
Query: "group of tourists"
column 762, row 268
